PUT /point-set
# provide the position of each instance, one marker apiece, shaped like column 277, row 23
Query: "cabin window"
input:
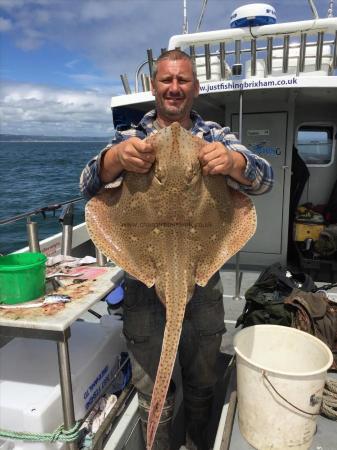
column 315, row 144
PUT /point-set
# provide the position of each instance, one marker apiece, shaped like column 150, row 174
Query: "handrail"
column 239, row 35
column 37, row 211
column 215, row 37
column 139, row 68
column 262, row 49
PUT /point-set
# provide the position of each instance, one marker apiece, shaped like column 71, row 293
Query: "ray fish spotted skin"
column 171, row 228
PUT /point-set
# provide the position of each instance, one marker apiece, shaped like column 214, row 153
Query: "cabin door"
column 265, row 134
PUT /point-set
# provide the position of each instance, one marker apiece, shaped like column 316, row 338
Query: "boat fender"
column 115, row 297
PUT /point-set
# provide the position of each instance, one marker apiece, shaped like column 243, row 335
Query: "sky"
column 61, row 60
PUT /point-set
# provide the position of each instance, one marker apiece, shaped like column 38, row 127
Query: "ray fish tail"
column 175, row 311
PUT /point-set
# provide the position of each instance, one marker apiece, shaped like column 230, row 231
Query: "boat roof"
column 287, row 56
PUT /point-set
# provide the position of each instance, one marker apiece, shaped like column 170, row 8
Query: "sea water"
column 37, row 174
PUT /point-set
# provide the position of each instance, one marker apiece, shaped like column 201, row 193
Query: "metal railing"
column 43, row 210
column 65, row 218
column 297, row 42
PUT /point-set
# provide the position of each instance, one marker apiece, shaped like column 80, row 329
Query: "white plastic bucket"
column 275, row 361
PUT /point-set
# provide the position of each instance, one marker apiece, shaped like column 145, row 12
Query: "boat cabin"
column 276, row 87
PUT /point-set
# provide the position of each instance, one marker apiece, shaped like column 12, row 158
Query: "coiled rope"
column 329, row 403
column 60, row 434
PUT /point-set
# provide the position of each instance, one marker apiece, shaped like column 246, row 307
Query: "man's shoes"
column 189, row 444
column 183, row 447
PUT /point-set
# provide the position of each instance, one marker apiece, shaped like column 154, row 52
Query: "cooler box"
column 306, row 230
column 30, row 395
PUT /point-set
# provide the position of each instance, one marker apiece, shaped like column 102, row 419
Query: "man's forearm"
column 91, row 181
column 239, row 167
column 110, row 166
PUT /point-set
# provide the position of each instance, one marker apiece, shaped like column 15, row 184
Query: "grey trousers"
column 203, row 326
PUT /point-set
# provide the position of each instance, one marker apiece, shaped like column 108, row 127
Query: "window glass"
column 314, row 144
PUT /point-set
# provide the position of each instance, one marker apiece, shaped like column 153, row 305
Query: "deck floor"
column 325, row 436
column 233, row 308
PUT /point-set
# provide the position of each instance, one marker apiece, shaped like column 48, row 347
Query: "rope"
column 60, row 434
column 329, row 403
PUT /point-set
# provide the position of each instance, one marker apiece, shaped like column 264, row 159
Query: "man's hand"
column 216, row 159
column 133, row 155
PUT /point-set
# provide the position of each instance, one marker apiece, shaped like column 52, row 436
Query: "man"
column 175, row 86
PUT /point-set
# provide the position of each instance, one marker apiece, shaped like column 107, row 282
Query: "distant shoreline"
column 36, row 138
column 82, row 140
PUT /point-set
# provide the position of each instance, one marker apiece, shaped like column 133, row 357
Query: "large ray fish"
column 171, row 228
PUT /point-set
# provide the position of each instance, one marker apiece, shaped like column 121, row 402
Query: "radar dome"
column 253, row 15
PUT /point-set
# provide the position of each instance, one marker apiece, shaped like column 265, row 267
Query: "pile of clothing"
column 326, row 245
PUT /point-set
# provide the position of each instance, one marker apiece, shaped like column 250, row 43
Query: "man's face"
column 174, row 88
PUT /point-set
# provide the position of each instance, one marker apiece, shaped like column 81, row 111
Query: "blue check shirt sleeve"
column 90, row 182
column 258, row 170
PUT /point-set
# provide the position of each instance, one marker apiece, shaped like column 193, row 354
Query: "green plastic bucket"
column 22, row 277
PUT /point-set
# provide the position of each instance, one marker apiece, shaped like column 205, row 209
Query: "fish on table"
column 51, row 299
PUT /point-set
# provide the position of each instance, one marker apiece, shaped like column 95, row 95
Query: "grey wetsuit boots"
column 162, row 439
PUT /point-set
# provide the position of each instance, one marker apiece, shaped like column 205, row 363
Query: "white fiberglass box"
column 30, row 395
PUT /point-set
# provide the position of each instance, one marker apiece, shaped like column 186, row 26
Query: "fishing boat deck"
column 225, row 386
column 126, row 429
column 228, row 435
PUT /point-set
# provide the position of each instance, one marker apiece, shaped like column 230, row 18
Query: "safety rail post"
column 319, row 50
column 150, row 61
column 253, row 55
column 285, row 54
column 33, row 235
column 192, row 52
column 208, row 62
column 100, row 258
column 237, row 66
column 67, row 220
column 302, row 52
column 334, row 63
column 143, row 78
column 222, row 52
column 126, row 84
column 269, row 55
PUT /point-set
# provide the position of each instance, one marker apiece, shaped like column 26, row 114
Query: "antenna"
column 313, row 9
column 201, row 15
column 185, row 25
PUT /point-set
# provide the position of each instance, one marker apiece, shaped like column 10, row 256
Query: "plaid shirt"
column 258, row 170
